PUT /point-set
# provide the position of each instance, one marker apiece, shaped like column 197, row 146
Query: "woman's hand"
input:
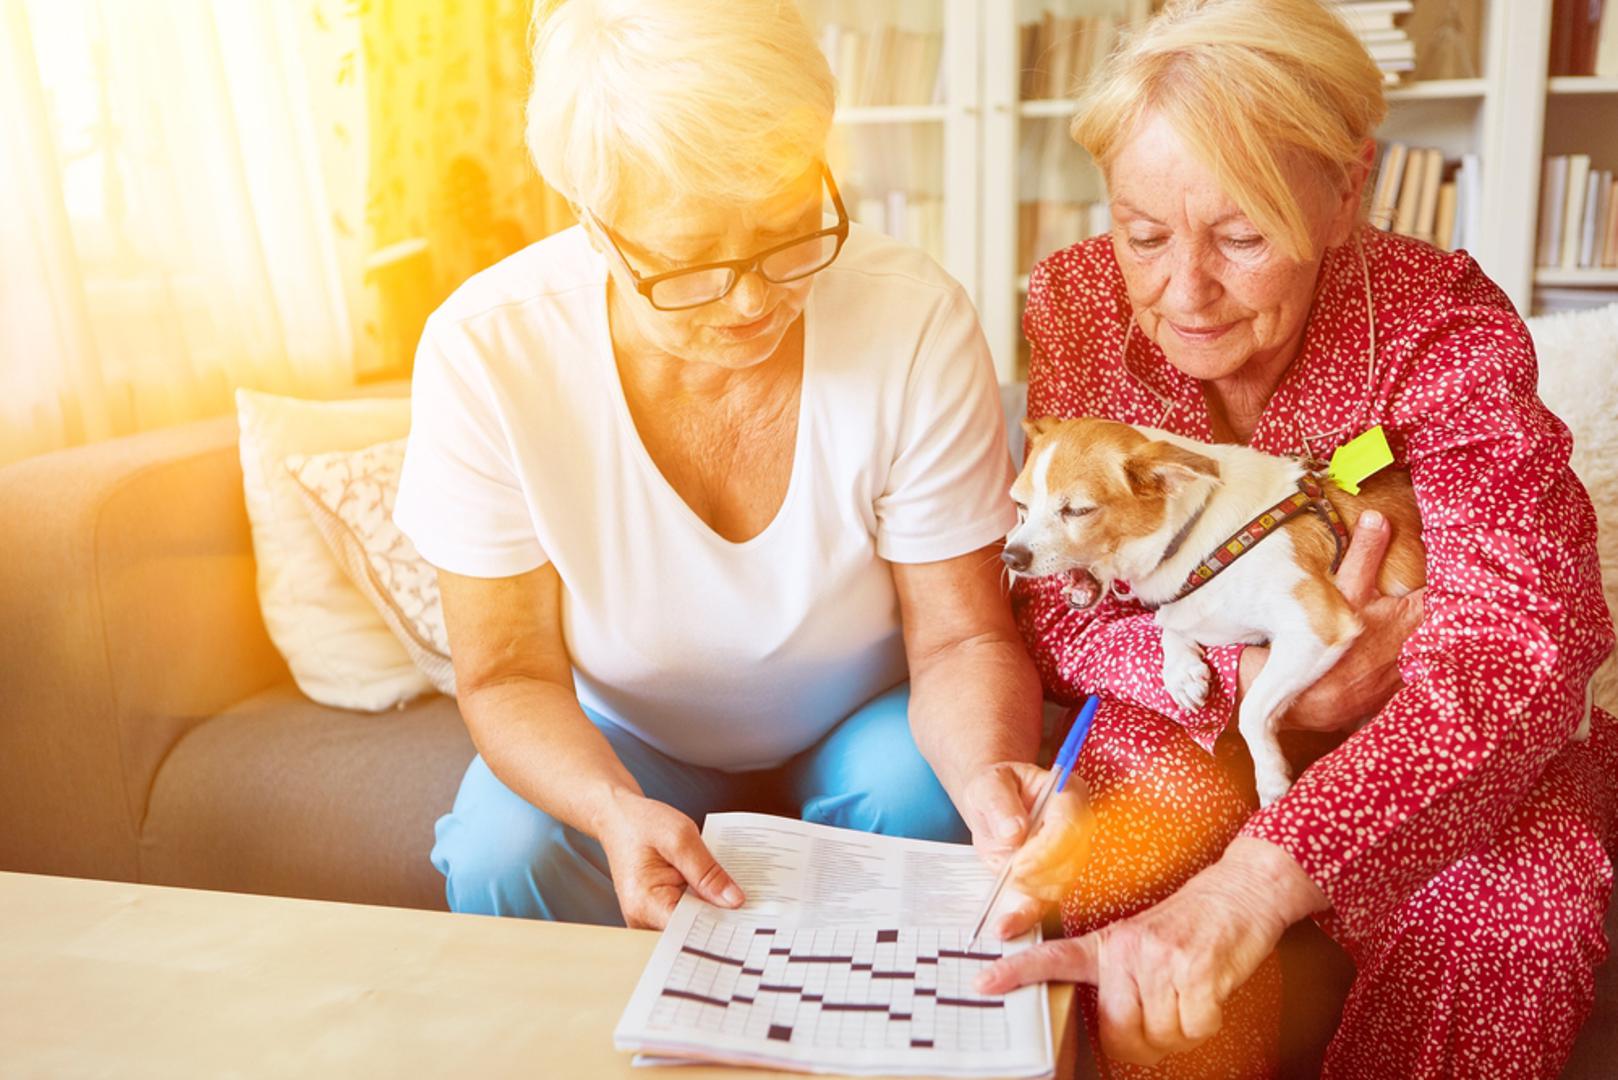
column 1163, row 975
column 655, row 852
column 1367, row 675
column 1049, row 860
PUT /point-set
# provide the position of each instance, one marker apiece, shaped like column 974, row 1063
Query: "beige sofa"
column 150, row 732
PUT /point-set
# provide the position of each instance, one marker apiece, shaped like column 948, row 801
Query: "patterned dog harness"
column 1309, row 498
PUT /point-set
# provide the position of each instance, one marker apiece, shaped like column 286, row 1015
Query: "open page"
column 850, row 956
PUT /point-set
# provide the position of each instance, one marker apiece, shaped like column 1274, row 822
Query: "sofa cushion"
column 337, row 646
column 350, row 496
column 280, row 795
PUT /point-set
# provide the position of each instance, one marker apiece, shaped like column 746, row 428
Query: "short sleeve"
column 460, row 501
column 947, row 490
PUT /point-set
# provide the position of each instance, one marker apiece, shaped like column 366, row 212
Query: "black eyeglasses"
column 695, row 286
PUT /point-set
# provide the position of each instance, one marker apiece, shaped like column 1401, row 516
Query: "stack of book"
column 1417, row 193
column 885, row 65
column 1584, row 38
column 1377, row 22
column 1578, row 215
column 1060, row 53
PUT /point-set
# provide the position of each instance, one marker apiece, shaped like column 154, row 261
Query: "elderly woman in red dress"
column 1459, row 842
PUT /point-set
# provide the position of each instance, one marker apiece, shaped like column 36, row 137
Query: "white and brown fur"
column 1102, row 502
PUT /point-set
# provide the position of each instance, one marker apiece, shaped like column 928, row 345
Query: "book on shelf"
column 1427, row 203
column 1578, row 215
column 1417, row 193
column 911, row 217
column 1378, row 24
column 1468, row 203
column 1389, row 176
column 1059, row 53
column 1578, row 175
column 1609, row 247
column 1444, row 225
column 1552, row 208
column 884, row 65
column 1388, row 53
column 1584, row 38
column 1595, row 209
column 1364, row 15
column 1606, row 50
column 1404, row 218
column 1048, row 225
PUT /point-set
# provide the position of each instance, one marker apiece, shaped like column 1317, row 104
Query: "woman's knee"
column 500, row 855
column 873, row 778
column 1163, row 808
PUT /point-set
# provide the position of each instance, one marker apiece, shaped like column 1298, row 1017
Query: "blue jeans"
column 501, row 855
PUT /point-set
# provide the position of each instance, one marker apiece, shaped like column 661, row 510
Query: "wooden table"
column 107, row 978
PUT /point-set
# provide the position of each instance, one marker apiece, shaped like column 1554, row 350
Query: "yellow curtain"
column 450, row 188
column 197, row 195
column 163, row 215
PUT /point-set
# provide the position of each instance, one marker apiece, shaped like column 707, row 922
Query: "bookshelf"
column 904, row 138
column 990, row 146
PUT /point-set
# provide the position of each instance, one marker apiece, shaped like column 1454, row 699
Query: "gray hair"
column 716, row 100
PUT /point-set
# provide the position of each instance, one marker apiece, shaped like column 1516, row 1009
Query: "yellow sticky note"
column 1361, row 457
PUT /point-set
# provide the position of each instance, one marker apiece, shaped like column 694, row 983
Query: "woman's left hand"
column 1163, row 975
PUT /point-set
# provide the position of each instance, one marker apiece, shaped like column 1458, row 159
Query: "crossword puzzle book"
column 850, row 956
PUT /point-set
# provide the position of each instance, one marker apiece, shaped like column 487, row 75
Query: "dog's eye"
column 1075, row 511
column 1022, row 509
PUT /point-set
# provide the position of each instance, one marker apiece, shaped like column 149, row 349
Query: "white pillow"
column 340, row 651
column 350, row 496
column 1578, row 380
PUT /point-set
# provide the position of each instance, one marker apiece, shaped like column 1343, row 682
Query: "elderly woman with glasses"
column 713, row 482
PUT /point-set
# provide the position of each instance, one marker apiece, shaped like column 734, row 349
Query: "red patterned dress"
column 1464, row 842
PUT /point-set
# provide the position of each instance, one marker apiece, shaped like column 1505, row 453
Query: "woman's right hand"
column 655, row 853
column 1048, row 861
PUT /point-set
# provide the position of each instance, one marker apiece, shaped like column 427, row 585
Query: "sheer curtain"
column 166, row 228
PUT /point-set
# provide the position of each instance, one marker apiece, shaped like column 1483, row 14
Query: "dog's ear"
column 1038, row 428
column 1161, row 468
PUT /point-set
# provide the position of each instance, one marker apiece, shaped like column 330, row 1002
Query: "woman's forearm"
column 1274, row 879
column 974, row 706
column 534, row 736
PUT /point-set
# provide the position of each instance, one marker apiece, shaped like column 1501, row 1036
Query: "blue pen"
column 1061, row 769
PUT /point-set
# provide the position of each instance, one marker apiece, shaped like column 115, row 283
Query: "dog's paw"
column 1582, row 732
column 1271, row 785
column 1186, row 677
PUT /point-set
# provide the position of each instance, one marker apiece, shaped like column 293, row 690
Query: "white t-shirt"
column 735, row 656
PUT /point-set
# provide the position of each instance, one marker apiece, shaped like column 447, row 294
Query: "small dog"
column 1106, row 503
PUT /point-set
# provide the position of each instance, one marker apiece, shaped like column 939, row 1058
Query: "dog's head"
column 1093, row 502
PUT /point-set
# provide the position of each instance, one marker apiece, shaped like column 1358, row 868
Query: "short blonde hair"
column 1252, row 86
column 718, row 100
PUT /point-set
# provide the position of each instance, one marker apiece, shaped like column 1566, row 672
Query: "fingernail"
column 985, row 983
column 1371, row 520
column 733, row 896
column 1007, row 828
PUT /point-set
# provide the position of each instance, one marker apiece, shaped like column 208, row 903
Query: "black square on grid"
column 781, row 1032
column 886, row 935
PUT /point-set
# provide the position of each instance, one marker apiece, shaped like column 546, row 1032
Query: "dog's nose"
column 1017, row 557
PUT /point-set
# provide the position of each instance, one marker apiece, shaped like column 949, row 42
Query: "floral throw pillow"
column 350, row 496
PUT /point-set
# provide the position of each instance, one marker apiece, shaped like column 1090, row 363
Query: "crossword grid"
column 844, row 988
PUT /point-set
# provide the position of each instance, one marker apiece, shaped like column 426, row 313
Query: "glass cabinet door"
column 903, row 148
column 1042, row 192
